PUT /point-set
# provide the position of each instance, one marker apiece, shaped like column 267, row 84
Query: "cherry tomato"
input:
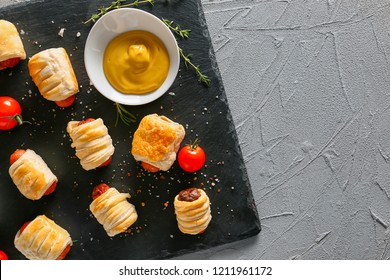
column 150, row 167
column 191, row 157
column 10, row 113
column 9, row 63
column 66, row 102
column 3, row 256
column 99, row 190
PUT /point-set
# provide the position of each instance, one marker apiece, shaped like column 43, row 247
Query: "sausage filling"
column 189, row 195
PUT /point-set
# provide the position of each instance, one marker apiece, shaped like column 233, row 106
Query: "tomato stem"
column 18, row 118
column 195, row 144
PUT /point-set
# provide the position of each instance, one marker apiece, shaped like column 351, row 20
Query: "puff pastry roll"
column 43, row 239
column 112, row 210
column 52, row 72
column 92, row 142
column 156, row 142
column 192, row 209
column 31, row 175
column 11, row 46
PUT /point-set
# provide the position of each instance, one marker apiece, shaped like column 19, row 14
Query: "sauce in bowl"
column 136, row 62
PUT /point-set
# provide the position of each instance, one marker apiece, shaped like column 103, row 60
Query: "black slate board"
column 203, row 111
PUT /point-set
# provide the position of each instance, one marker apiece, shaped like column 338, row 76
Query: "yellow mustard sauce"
column 136, row 62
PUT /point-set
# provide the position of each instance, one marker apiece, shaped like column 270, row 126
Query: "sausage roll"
column 92, row 142
column 43, row 239
column 11, row 46
column 192, row 209
column 52, row 72
column 156, row 141
column 112, row 209
column 31, row 174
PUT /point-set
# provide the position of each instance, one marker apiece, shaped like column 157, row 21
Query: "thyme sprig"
column 117, row 4
column 124, row 115
column 184, row 33
column 187, row 61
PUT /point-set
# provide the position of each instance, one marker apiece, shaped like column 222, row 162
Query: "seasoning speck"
column 61, row 32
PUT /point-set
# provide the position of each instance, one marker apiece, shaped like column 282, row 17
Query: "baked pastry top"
column 31, row 175
column 52, row 72
column 192, row 211
column 11, row 46
column 113, row 211
column 92, row 142
column 42, row 239
column 157, row 140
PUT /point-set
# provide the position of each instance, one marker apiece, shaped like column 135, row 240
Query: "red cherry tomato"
column 9, row 63
column 3, row 256
column 10, row 113
column 99, row 190
column 191, row 157
column 150, row 167
column 66, row 102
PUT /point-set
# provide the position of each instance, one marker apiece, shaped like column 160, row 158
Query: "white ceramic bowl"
column 111, row 25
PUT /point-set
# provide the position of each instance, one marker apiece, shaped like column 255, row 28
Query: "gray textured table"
column 308, row 86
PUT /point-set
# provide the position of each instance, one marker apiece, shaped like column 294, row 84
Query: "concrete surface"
column 308, row 86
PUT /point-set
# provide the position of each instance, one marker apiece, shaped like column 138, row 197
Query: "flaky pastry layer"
column 193, row 217
column 92, row 142
column 42, row 239
column 157, row 140
column 31, row 175
column 113, row 211
column 52, row 72
column 11, row 46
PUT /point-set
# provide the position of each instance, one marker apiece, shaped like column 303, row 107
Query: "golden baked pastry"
column 92, row 142
column 43, row 239
column 11, row 46
column 157, row 140
column 192, row 209
column 52, row 72
column 112, row 210
column 31, row 175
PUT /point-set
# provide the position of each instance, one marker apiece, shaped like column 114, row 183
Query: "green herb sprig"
column 184, row 33
column 202, row 78
column 117, row 4
column 124, row 115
